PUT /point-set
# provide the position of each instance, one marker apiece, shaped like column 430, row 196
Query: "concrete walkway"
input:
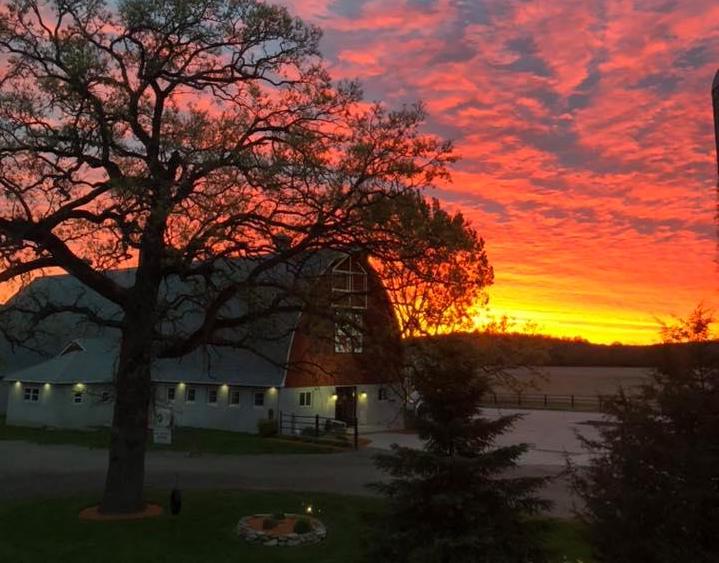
column 551, row 435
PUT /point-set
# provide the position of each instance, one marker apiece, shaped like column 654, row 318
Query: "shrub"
column 650, row 491
column 269, row 523
column 302, row 526
column 453, row 501
column 266, row 428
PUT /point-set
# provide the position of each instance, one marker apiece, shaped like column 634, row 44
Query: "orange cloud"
column 586, row 135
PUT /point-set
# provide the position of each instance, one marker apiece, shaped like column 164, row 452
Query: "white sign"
column 162, row 435
column 162, row 426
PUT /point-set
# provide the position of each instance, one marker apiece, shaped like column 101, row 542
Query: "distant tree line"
column 552, row 351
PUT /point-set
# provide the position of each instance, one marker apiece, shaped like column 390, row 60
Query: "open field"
column 580, row 381
column 566, row 388
column 193, row 440
column 49, row 530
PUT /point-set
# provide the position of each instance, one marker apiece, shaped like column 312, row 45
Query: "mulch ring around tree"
column 268, row 530
column 93, row 513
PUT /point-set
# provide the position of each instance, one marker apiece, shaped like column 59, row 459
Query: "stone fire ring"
column 274, row 538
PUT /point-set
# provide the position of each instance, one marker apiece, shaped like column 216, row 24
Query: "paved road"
column 30, row 470
column 551, row 435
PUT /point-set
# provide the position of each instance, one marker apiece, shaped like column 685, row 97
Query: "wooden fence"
column 592, row 403
column 315, row 426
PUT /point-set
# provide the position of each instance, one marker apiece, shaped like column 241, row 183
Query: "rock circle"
column 249, row 528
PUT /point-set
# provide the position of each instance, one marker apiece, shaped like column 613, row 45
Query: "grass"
column 49, row 530
column 195, row 440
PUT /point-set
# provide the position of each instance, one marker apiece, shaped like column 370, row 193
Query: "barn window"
column 259, row 399
column 190, row 395
column 235, row 397
column 170, row 394
column 31, row 394
column 212, row 396
column 306, row 399
column 382, row 394
column 349, row 284
column 348, row 332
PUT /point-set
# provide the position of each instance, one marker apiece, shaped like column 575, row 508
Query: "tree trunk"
column 126, row 470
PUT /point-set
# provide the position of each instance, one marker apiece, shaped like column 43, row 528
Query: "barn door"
column 345, row 406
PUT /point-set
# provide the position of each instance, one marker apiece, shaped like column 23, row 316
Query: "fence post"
column 356, row 432
column 317, row 426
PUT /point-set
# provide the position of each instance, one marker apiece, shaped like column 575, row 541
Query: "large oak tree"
column 176, row 136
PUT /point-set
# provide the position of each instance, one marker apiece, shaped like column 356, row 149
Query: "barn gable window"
column 349, row 284
column 348, row 332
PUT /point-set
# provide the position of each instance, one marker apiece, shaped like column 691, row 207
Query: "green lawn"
column 194, row 440
column 49, row 530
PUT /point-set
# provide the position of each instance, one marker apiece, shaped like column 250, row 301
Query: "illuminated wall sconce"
column 181, row 385
column 18, row 384
column 272, row 390
column 334, row 396
column 224, row 387
column 79, row 387
column 363, row 395
column 47, row 387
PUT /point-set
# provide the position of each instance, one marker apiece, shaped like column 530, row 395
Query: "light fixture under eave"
column 47, row 386
column 334, row 396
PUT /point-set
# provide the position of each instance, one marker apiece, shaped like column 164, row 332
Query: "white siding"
column 371, row 412
column 56, row 407
column 221, row 415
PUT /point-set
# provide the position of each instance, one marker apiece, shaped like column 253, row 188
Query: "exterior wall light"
column 47, row 387
column 334, row 396
column 224, row 387
column 18, row 384
column 272, row 390
column 79, row 387
column 181, row 385
column 363, row 395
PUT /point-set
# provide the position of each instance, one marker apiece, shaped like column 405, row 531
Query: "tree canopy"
column 178, row 136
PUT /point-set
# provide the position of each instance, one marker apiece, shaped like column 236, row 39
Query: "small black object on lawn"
column 175, row 500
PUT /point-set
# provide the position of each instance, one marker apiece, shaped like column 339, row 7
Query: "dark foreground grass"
column 194, row 440
column 41, row 531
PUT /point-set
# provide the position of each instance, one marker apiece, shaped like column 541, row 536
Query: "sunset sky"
column 585, row 131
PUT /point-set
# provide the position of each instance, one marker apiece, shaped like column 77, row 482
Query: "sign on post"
column 161, row 426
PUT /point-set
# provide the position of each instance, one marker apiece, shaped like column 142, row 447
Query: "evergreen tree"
column 453, row 501
column 651, row 492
